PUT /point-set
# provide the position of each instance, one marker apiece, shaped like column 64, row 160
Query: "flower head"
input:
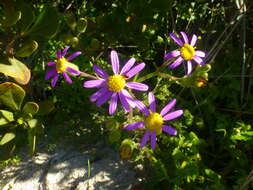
column 114, row 85
column 62, row 66
column 154, row 121
column 186, row 52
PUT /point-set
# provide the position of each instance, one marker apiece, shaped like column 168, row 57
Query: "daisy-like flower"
column 114, row 86
column 154, row 121
column 186, row 52
column 62, row 66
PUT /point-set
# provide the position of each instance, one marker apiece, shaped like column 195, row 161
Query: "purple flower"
column 62, row 65
column 114, row 86
column 154, row 121
column 186, row 52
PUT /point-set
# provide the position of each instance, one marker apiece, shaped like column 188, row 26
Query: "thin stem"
column 88, row 75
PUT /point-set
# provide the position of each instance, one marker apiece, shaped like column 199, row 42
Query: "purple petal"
column 135, row 70
column 169, row 129
column 73, row 71
column 65, row 51
column 54, row 80
column 77, row 53
column 144, row 139
column 172, row 54
column 194, row 40
column 59, row 54
column 66, row 77
column 137, row 86
column 51, row 63
column 100, row 72
column 142, row 107
column 128, row 98
column 113, row 103
column 104, row 97
column 93, row 83
column 186, row 41
column 97, row 94
column 135, row 125
column 115, row 62
column 200, row 53
column 189, row 67
column 168, row 107
column 173, row 115
column 153, row 140
column 198, row 60
column 176, row 39
column 152, row 102
column 127, row 66
column 124, row 102
column 50, row 73
column 176, row 63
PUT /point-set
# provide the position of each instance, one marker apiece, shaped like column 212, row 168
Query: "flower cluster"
column 115, row 87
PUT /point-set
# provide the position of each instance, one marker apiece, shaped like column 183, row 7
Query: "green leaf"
column 27, row 17
column 45, row 107
column 32, row 140
column 27, row 48
column 46, row 24
column 81, row 25
column 114, row 136
column 6, row 117
column 10, row 14
column 11, row 95
column 33, row 123
column 7, row 138
column 17, row 70
column 70, row 20
column 30, row 108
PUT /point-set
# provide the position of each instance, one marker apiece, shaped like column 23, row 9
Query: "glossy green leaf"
column 7, row 138
column 81, row 25
column 6, row 117
column 27, row 48
column 70, row 20
column 17, row 70
column 45, row 107
column 27, row 17
column 30, row 108
column 46, row 24
column 33, row 123
column 10, row 14
column 11, row 95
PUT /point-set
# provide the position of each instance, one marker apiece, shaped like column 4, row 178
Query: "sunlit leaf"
column 30, row 108
column 11, row 95
column 6, row 117
column 17, row 70
column 7, row 138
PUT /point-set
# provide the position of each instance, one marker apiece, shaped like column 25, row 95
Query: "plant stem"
column 88, row 75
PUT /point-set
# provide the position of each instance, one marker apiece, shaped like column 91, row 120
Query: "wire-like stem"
column 88, row 75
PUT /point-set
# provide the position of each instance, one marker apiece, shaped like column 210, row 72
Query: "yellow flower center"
column 187, row 51
column 62, row 64
column 116, row 82
column 154, row 122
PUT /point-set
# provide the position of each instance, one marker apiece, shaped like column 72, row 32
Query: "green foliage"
column 212, row 150
column 16, row 117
